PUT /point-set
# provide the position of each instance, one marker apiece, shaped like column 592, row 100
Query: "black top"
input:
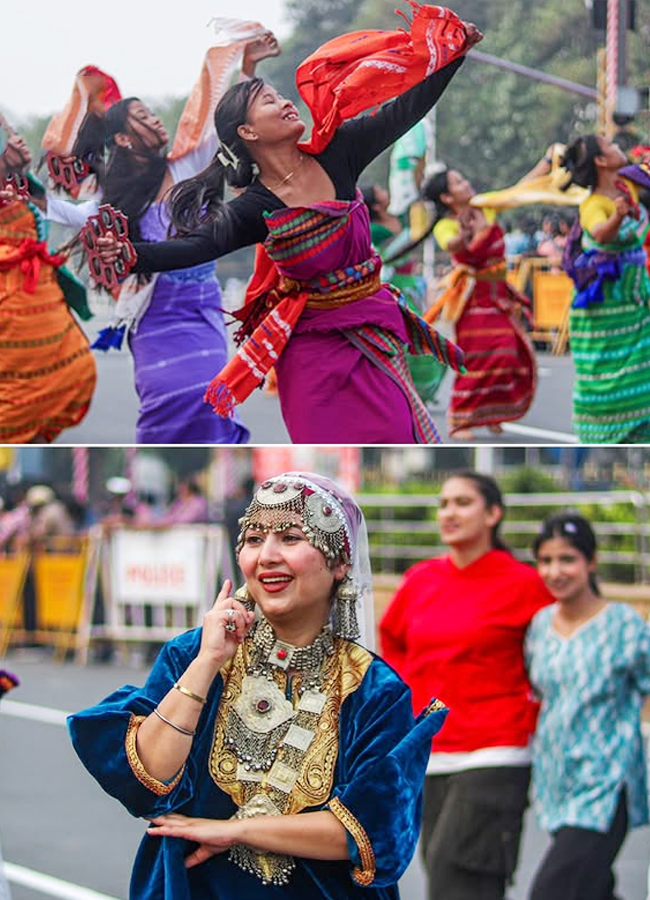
column 354, row 145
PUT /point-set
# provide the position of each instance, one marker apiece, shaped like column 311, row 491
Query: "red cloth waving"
column 358, row 71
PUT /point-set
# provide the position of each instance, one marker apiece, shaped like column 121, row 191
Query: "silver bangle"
column 173, row 724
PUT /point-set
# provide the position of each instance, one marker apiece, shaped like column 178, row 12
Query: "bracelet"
column 173, row 724
column 188, row 693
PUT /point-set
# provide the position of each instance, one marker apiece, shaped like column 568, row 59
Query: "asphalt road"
column 63, row 837
column 113, row 414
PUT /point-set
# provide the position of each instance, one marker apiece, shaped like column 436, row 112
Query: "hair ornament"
column 570, row 527
column 226, row 157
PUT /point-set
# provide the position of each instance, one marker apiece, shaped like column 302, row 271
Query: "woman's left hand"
column 213, row 835
column 261, row 48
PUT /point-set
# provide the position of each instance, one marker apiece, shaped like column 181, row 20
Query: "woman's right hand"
column 108, row 248
column 473, row 35
column 217, row 641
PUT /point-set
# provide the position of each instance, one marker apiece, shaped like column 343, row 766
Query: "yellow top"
column 445, row 230
column 597, row 208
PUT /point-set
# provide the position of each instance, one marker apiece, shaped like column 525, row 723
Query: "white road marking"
column 53, row 887
column 529, row 431
column 32, row 711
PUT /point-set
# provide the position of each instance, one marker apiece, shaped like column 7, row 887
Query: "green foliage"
column 528, row 481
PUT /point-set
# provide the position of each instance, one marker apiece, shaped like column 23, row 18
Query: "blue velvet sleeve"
column 100, row 735
column 382, row 763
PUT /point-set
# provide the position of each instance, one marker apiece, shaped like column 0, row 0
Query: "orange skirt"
column 47, row 372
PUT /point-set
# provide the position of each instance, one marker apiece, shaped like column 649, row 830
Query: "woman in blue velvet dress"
column 272, row 755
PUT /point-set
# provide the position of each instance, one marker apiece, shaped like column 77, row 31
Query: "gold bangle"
column 188, row 693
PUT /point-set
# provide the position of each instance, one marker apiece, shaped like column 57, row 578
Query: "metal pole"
column 563, row 83
column 612, row 45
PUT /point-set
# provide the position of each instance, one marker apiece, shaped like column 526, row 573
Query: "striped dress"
column 47, row 372
column 610, row 343
column 501, row 378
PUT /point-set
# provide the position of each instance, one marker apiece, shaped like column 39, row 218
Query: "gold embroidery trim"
column 434, row 706
column 366, row 874
column 160, row 788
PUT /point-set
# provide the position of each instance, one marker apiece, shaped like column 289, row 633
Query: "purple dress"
column 178, row 346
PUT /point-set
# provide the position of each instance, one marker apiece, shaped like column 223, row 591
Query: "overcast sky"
column 153, row 48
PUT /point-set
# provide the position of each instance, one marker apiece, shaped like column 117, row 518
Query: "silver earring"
column 346, row 624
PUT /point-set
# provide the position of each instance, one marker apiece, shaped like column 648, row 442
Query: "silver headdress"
column 332, row 523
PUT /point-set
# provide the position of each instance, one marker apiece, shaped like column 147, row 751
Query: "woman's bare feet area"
column 463, row 434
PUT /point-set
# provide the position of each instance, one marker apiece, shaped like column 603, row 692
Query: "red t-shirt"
column 457, row 634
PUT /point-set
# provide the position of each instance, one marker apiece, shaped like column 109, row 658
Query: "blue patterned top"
column 588, row 743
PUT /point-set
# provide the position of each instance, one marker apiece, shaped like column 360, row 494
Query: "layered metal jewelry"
column 276, row 505
column 269, row 737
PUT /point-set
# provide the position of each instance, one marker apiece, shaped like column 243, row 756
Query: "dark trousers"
column 578, row 864
column 471, row 830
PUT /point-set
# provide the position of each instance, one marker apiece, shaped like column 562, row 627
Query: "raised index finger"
column 226, row 588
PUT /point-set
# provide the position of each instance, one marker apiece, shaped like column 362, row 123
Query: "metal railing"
column 402, row 528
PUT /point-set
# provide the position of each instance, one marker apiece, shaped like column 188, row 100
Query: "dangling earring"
column 346, row 624
column 244, row 597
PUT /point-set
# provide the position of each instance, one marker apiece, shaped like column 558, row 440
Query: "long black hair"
column 132, row 189
column 492, row 496
column 432, row 189
column 369, row 194
column 579, row 161
column 90, row 145
column 199, row 199
column 576, row 531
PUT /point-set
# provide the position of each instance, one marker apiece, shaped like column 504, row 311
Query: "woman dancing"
column 174, row 322
column 499, row 385
column 589, row 662
column 47, row 372
column 609, row 326
column 274, row 756
column 316, row 309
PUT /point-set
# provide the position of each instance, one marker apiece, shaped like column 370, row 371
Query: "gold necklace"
column 290, row 175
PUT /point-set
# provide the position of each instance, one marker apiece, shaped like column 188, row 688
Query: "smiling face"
column 288, row 577
column 465, row 520
column 611, row 155
column 144, row 131
column 565, row 570
column 459, row 190
column 270, row 119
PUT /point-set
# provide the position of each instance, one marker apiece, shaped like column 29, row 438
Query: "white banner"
column 159, row 566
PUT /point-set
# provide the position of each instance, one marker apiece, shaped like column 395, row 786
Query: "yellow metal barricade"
column 64, row 579
column 13, row 570
column 552, row 295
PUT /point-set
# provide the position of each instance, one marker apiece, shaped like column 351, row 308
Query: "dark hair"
column 433, row 187
column 578, row 160
column 577, row 532
column 90, row 145
column 199, row 199
column 491, row 493
column 369, row 195
column 128, row 188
